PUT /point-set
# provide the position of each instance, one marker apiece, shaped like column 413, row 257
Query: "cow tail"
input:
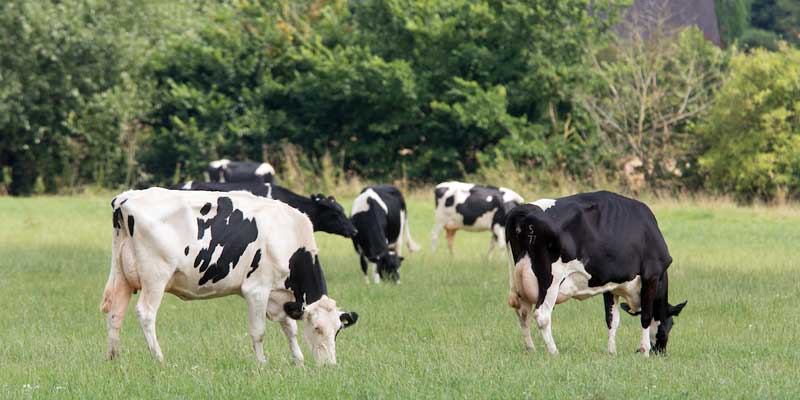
column 116, row 277
column 412, row 245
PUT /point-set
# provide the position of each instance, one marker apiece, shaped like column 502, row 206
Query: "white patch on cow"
column 360, row 204
column 544, row 204
column 510, row 195
column 654, row 330
column 644, row 344
column 219, row 163
column 488, row 199
column 269, row 190
column 187, row 185
column 612, row 331
column 265, row 169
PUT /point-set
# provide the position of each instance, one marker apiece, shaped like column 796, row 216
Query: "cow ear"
column 675, row 310
column 348, row 319
column 400, row 258
column 331, row 198
column 294, row 309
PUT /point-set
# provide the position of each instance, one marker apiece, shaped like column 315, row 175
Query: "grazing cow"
column 240, row 171
column 583, row 245
column 325, row 213
column 379, row 214
column 472, row 208
column 201, row 245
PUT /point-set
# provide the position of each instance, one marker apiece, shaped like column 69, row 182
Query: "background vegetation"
column 138, row 93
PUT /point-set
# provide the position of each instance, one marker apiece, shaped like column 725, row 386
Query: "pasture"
column 444, row 332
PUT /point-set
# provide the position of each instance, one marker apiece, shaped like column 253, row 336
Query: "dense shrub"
column 753, row 131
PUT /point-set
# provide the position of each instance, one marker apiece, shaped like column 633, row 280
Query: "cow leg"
column 524, row 316
column 437, row 230
column 376, row 277
column 116, row 314
column 289, row 327
column 364, row 265
column 543, row 316
column 451, row 234
column 648, row 296
column 146, row 310
column 610, row 302
column 257, row 303
column 491, row 246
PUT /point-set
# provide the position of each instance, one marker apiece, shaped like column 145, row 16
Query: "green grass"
column 445, row 332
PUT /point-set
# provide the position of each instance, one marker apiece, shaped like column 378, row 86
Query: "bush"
column 753, row 131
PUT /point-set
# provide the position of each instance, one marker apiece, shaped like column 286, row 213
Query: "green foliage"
column 733, row 17
column 70, row 87
column 650, row 90
column 759, row 23
column 753, row 131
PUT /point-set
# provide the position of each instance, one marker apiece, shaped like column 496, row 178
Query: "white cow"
column 471, row 207
column 201, row 245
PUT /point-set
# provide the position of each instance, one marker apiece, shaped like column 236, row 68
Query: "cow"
column 471, row 207
column 325, row 213
column 225, row 170
column 202, row 245
column 380, row 216
column 584, row 245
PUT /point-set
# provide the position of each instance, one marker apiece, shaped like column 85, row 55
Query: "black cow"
column 583, row 245
column 240, row 171
column 379, row 214
column 325, row 213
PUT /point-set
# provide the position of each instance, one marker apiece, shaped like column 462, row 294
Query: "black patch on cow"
column 186, row 251
column 475, row 205
column 130, row 224
column 114, row 200
column 116, row 218
column 438, row 193
column 229, row 230
column 254, row 263
column 449, row 201
column 206, row 208
column 306, row 278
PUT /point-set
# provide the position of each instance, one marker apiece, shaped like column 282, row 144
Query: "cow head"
column 322, row 321
column 389, row 266
column 665, row 327
column 331, row 217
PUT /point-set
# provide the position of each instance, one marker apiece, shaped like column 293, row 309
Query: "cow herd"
column 241, row 233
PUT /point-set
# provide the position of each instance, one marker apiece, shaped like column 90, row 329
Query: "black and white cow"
column 380, row 216
column 583, row 245
column 474, row 208
column 240, row 171
column 325, row 213
column 201, row 245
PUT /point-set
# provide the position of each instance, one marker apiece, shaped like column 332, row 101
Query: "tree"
column 753, row 130
column 651, row 88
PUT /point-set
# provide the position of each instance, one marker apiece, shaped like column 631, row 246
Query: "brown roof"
column 679, row 13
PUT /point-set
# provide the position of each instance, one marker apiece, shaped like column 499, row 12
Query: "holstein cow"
column 325, row 213
column 240, row 171
column 201, row 245
column 583, row 245
column 472, row 208
column 379, row 214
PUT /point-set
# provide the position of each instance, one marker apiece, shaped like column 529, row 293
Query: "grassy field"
column 445, row 332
